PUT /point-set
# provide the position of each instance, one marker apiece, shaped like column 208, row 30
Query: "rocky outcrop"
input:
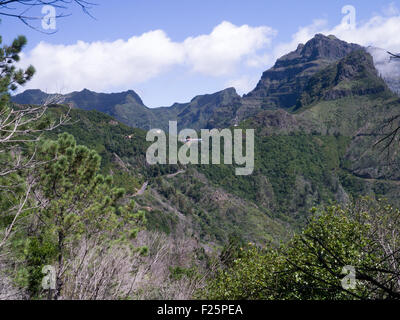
column 354, row 75
column 282, row 85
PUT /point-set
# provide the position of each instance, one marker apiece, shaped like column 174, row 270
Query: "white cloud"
column 219, row 52
column 379, row 31
column 260, row 60
column 301, row 36
column 387, row 68
column 224, row 52
column 104, row 66
column 243, row 84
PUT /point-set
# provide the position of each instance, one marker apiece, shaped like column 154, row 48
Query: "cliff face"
column 282, row 85
column 354, row 75
column 210, row 111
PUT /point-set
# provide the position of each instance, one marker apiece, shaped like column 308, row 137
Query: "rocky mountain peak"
column 327, row 47
column 282, row 85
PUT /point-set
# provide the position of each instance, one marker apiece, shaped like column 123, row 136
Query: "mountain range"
column 317, row 114
column 279, row 87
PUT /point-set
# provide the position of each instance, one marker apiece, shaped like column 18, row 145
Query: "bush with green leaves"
column 364, row 235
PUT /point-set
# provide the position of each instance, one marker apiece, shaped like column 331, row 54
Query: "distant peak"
column 230, row 90
column 322, row 36
column 300, row 47
column 130, row 91
column 135, row 95
column 327, row 47
column 86, row 91
column 332, row 37
column 34, row 91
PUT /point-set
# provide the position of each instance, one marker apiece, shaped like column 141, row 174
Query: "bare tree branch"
column 20, row 9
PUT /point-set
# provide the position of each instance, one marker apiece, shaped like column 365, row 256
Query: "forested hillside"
column 77, row 192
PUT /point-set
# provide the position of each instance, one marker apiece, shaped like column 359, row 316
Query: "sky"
column 172, row 50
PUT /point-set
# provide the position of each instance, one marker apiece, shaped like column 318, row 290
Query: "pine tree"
column 14, row 188
column 21, row 127
column 77, row 203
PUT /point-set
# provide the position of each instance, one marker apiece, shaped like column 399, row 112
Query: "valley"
column 317, row 115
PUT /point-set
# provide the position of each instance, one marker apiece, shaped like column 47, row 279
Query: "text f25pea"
column 224, row 309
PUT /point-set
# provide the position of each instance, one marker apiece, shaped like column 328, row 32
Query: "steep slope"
column 355, row 75
column 177, row 199
column 122, row 157
column 281, row 86
column 356, row 102
column 325, row 150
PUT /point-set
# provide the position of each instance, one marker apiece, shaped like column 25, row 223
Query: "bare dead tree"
column 97, row 273
column 390, row 128
column 8, row 290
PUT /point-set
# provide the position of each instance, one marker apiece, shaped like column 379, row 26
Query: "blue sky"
column 169, row 50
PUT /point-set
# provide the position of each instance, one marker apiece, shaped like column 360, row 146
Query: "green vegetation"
column 76, row 204
column 77, row 193
column 110, row 139
column 215, row 214
column 343, row 79
column 296, row 171
column 309, row 267
column 53, row 197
